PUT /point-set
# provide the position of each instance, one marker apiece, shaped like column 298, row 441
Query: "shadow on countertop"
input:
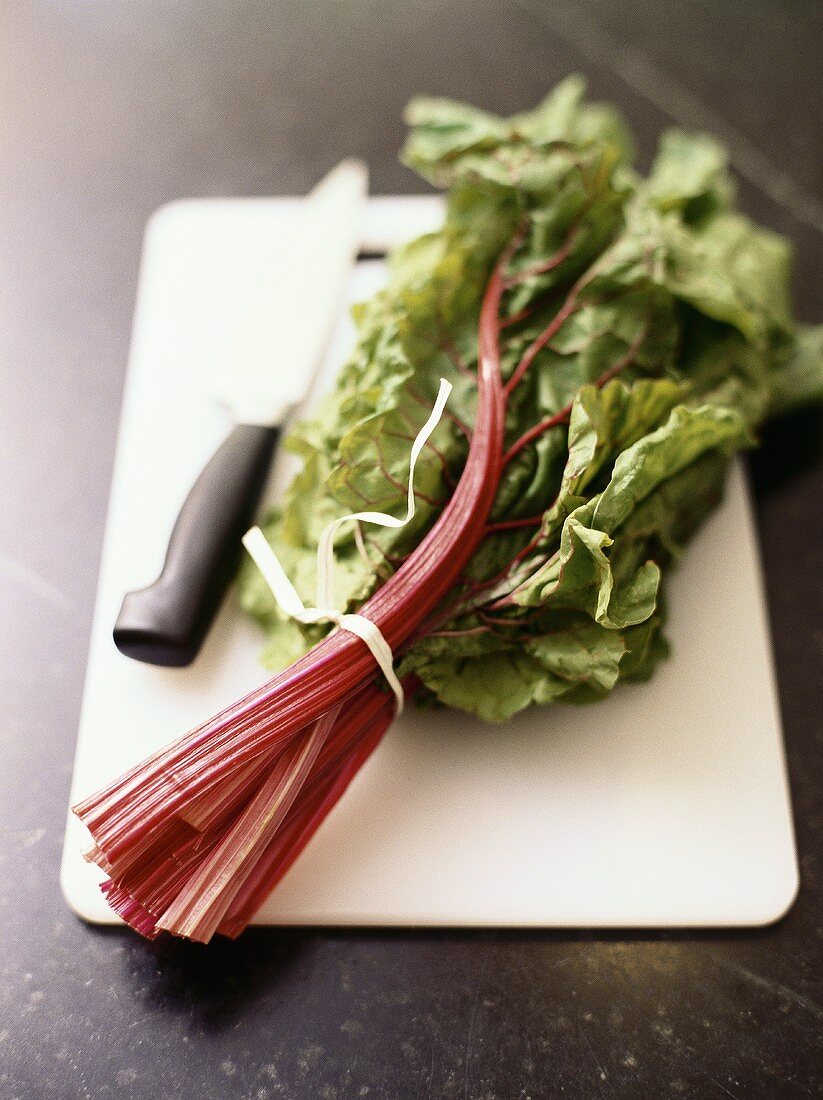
column 217, row 982
column 788, row 447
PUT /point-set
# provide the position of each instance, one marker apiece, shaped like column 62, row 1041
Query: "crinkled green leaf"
column 580, row 577
column 606, row 421
column 660, row 455
column 578, row 662
column 735, row 272
column 690, row 174
column 450, row 141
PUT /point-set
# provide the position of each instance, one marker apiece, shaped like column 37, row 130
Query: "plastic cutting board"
column 665, row 805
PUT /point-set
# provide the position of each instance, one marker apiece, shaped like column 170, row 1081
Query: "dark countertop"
column 109, row 110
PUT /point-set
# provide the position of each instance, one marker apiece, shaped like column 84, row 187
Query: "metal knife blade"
column 279, row 343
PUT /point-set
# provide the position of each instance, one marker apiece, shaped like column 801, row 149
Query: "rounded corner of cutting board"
column 169, row 211
column 779, row 903
column 81, row 891
column 770, row 886
column 77, row 898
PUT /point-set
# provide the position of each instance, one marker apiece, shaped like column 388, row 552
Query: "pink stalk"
column 172, row 878
column 211, row 890
column 312, row 810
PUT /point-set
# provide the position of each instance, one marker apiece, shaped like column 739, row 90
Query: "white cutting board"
column 665, row 805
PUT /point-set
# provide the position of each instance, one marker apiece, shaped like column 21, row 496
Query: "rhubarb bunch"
column 611, row 341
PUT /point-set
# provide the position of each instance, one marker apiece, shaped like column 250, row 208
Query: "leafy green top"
column 670, row 340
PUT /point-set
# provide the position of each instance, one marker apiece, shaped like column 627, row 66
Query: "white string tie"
column 287, row 596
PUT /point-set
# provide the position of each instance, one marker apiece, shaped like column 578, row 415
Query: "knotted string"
column 287, row 596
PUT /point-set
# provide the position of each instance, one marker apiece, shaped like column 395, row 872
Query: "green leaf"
column 660, row 455
column 605, row 422
column 690, row 175
column 677, row 343
column 580, row 662
column 580, row 577
column 735, row 272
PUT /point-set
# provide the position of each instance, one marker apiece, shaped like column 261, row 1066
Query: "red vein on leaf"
column 562, row 417
column 569, row 307
column 447, row 346
column 513, row 524
column 447, row 415
column 548, row 265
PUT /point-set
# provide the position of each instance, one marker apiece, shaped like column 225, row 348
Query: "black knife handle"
column 165, row 624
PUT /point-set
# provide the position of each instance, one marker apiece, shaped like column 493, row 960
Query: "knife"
column 273, row 358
